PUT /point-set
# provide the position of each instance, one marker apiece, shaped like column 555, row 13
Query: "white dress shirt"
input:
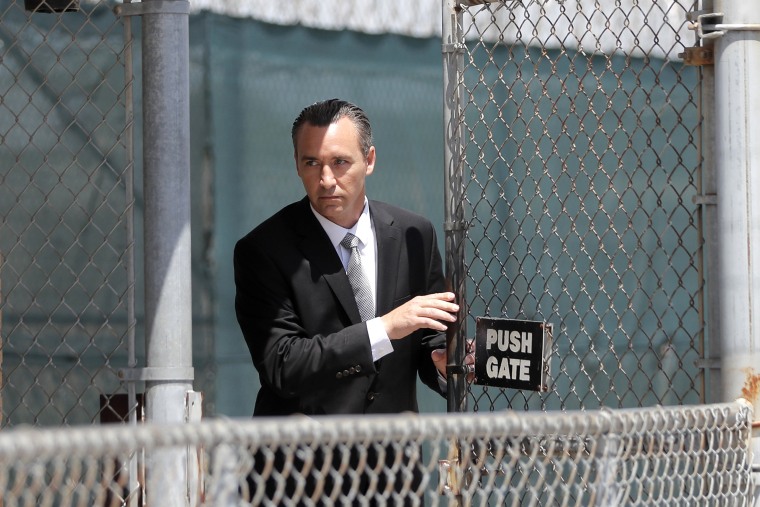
column 365, row 231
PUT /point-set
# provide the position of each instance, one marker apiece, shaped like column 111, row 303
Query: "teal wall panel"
column 259, row 77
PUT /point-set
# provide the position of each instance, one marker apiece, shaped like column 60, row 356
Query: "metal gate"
column 573, row 164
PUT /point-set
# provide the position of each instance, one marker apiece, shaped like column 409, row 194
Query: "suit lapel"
column 316, row 247
column 388, row 238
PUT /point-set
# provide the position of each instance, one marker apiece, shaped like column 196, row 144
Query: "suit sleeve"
column 290, row 362
column 432, row 339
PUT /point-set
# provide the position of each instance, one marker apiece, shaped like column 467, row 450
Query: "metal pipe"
column 737, row 160
column 166, row 186
column 710, row 347
column 688, row 432
column 454, row 226
column 134, row 483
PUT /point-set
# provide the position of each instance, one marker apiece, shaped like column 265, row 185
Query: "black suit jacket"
column 299, row 317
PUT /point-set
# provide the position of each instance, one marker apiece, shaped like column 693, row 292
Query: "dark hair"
column 327, row 112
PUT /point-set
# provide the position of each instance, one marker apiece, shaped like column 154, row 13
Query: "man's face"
column 333, row 168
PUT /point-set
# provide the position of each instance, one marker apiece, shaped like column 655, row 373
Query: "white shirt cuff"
column 378, row 339
column 443, row 383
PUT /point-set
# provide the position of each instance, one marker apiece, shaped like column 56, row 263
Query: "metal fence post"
column 168, row 302
column 736, row 29
column 2, row 419
column 711, row 388
column 454, row 220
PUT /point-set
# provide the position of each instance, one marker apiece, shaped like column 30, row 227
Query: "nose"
column 327, row 178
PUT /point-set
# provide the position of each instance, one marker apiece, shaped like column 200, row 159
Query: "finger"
column 433, row 308
column 441, row 305
column 442, row 296
column 438, row 314
column 434, row 325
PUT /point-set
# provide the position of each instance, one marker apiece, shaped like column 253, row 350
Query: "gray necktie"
column 362, row 290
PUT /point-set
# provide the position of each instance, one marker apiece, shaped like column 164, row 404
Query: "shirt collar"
column 362, row 229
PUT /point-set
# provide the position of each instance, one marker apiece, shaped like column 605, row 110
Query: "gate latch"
column 710, row 25
column 705, row 23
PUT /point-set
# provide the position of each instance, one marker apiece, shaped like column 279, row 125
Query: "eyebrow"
column 306, row 158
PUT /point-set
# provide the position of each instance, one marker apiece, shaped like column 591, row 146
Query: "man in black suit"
column 323, row 341
column 314, row 353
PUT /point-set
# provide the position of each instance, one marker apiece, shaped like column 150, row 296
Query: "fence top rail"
column 37, row 443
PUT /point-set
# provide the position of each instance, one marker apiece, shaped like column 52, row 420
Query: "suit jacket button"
column 339, row 375
column 358, row 368
column 352, row 370
column 371, row 396
column 345, row 373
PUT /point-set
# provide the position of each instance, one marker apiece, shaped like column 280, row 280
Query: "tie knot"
column 350, row 241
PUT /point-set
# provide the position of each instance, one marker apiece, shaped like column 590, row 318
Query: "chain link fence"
column 576, row 159
column 579, row 141
column 656, row 456
column 65, row 204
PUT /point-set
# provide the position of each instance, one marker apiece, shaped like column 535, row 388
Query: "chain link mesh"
column 580, row 159
column 63, row 210
column 580, row 149
column 673, row 456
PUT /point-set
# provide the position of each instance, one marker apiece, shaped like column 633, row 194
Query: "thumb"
column 439, row 360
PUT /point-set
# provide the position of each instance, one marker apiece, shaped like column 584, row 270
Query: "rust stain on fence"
column 751, row 388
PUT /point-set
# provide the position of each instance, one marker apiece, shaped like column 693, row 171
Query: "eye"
column 341, row 161
column 310, row 163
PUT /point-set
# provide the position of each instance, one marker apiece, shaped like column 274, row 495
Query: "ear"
column 370, row 160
